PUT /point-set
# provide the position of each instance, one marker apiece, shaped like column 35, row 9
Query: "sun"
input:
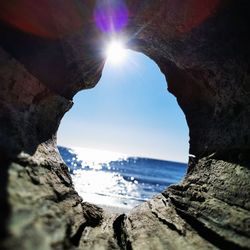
column 116, row 52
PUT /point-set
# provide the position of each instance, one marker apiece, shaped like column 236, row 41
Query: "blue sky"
column 129, row 111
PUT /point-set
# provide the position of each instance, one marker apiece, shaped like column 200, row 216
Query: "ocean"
column 118, row 180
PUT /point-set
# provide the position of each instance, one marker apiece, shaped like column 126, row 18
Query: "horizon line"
column 119, row 153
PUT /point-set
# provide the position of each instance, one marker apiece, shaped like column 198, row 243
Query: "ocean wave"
column 115, row 179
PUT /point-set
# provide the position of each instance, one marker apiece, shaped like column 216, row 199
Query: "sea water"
column 117, row 180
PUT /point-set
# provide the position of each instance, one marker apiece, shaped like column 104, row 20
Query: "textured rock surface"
column 203, row 49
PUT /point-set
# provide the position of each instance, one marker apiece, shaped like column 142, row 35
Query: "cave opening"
column 126, row 139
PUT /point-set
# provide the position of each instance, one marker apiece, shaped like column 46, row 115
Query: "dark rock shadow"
column 4, row 205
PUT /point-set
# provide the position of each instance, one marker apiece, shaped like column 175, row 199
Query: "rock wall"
column 203, row 50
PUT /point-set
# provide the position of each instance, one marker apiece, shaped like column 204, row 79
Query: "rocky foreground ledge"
column 202, row 49
column 199, row 213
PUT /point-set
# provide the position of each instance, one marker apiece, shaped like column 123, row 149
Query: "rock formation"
column 52, row 49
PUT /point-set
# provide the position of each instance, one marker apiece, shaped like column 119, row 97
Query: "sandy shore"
column 113, row 209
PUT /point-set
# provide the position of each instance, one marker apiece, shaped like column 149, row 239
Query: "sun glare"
column 116, row 52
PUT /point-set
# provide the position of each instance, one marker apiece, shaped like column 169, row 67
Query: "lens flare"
column 111, row 15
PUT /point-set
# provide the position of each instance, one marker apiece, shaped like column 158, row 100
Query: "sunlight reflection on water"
column 106, row 188
column 99, row 187
column 113, row 179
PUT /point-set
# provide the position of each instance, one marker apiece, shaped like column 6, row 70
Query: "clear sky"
column 129, row 111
